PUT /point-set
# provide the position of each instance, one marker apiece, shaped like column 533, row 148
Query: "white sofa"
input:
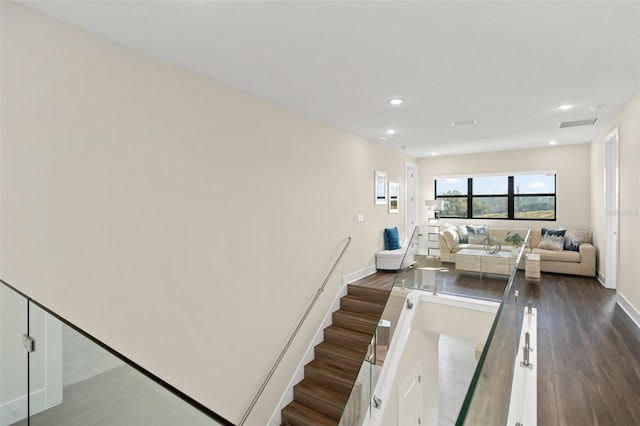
column 581, row 262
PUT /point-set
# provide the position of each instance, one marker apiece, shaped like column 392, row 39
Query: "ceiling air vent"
column 464, row 123
column 587, row 122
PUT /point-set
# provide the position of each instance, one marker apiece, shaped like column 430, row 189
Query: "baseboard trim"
column 16, row 410
column 354, row 276
column 276, row 418
column 600, row 278
column 629, row 309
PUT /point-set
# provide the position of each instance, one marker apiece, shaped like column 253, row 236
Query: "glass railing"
column 487, row 399
column 362, row 399
column 51, row 373
column 488, row 396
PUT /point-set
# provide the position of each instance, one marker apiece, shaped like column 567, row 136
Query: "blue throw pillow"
column 552, row 239
column 391, row 238
column 477, row 234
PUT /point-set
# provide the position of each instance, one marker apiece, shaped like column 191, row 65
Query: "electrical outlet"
column 360, row 218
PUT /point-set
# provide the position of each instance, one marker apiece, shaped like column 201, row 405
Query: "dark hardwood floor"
column 588, row 349
column 588, row 359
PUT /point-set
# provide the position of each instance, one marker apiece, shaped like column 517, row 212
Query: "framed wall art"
column 394, row 195
column 380, row 187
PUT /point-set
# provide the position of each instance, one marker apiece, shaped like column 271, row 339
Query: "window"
column 453, row 192
column 535, row 197
column 518, row 197
column 490, row 197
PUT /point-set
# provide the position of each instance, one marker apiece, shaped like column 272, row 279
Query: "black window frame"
column 511, row 198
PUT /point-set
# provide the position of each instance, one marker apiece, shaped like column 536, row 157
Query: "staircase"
column 320, row 398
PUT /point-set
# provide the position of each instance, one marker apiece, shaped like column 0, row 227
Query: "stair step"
column 368, row 293
column 340, row 379
column 361, row 306
column 339, row 355
column 349, row 338
column 320, row 398
column 296, row 414
column 353, row 321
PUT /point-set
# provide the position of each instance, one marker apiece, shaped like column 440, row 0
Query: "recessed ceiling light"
column 396, row 101
column 594, row 108
column 384, row 138
column 553, row 142
column 565, row 107
column 390, row 131
column 434, row 153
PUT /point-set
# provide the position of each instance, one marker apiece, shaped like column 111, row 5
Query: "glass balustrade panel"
column 74, row 381
column 487, row 400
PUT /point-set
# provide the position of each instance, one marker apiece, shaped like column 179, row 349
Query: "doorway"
column 612, row 209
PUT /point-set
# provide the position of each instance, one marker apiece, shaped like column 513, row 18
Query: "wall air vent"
column 587, row 122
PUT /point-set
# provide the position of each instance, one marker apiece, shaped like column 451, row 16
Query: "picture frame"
column 380, row 187
column 394, row 196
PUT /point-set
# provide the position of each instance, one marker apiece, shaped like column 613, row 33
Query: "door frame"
column 612, row 209
column 410, row 198
column 413, row 381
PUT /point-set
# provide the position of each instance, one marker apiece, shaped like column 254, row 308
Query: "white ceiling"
column 506, row 64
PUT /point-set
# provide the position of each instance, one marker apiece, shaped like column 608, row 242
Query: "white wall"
column 572, row 182
column 183, row 223
column 628, row 124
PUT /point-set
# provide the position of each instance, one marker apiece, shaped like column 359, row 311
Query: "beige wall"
column 185, row 224
column 572, row 182
column 628, row 124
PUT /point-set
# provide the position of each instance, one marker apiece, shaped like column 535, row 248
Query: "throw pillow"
column 463, row 234
column 391, row 239
column 573, row 239
column 552, row 239
column 477, row 234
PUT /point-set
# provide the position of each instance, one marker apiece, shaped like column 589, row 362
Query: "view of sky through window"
column 534, row 184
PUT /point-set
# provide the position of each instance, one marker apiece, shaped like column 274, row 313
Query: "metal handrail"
column 293, row 335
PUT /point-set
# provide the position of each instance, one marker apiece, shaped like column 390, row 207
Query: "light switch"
column 360, row 218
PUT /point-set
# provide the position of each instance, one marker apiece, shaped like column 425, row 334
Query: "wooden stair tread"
column 296, row 414
column 323, row 399
column 346, row 352
column 328, row 374
column 345, row 337
column 361, row 306
column 363, row 323
column 368, row 293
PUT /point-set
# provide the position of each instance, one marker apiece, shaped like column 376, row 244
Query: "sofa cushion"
column 451, row 237
column 477, row 234
column 391, row 238
column 573, row 238
column 558, row 256
column 552, row 239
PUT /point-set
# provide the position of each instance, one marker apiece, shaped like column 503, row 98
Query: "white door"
column 410, row 399
column 611, row 203
column 410, row 198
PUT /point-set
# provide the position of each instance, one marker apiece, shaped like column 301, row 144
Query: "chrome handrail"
column 293, row 335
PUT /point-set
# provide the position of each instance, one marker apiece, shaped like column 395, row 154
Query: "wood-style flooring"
column 588, row 359
column 588, row 349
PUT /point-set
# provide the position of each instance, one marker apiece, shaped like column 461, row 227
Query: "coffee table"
column 501, row 263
